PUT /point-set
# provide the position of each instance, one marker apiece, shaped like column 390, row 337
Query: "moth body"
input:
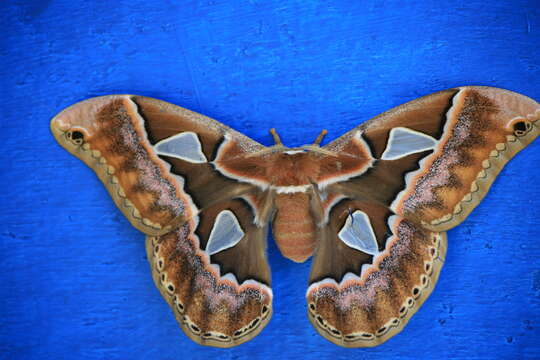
column 372, row 206
column 292, row 175
column 293, row 226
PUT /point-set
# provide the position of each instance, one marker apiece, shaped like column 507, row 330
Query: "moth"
column 372, row 207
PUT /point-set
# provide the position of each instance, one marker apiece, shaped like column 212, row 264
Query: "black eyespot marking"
column 75, row 136
column 381, row 330
column 395, row 322
column 195, row 328
column 336, row 332
column 522, row 127
column 264, row 309
column 238, row 332
column 365, row 335
column 320, row 320
column 312, row 306
column 428, row 267
column 223, row 337
column 402, row 310
column 410, row 302
column 170, row 287
column 416, row 291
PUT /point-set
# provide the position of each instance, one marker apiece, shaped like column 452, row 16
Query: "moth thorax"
column 293, row 226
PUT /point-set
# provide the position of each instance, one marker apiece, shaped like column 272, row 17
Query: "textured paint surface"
column 75, row 282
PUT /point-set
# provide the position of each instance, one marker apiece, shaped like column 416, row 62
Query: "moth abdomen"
column 294, row 226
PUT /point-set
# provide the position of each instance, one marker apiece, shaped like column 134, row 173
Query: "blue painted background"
column 74, row 280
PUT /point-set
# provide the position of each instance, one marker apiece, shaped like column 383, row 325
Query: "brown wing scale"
column 360, row 300
column 477, row 131
column 356, row 299
column 217, row 300
column 221, row 297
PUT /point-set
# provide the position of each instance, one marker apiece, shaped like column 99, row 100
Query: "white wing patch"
column 225, row 233
column 403, row 142
column 185, row 146
column 358, row 233
column 291, row 189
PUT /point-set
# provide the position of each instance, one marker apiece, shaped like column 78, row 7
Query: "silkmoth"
column 371, row 207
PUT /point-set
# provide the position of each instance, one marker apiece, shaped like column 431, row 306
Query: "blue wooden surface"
column 75, row 283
